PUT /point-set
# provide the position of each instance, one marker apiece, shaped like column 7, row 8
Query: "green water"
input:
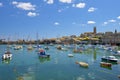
column 25, row 65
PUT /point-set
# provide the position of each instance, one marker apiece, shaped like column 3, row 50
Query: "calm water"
column 25, row 65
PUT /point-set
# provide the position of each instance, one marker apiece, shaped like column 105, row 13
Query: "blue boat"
column 42, row 54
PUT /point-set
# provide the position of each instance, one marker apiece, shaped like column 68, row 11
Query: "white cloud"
column 32, row 14
column 24, row 5
column 118, row 17
column 112, row 20
column 105, row 23
column 14, row 2
column 66, row 1
column 91, row 22
column 80, row 5
column 1, row 4
column 56, row 23
column 50, row 1
column 91, row 9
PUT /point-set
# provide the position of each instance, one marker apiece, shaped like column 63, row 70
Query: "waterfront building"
column 111, row 38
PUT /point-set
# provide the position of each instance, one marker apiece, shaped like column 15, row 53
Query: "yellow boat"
column 83, row 64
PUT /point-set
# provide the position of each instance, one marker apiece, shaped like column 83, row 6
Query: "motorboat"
column 83, row 64
column 105, row 64
column 116, row 53
column 42, row 54
column 7, row 56
column 30, row 47
column 59, row 47
column 110, row 58
column 70, row 55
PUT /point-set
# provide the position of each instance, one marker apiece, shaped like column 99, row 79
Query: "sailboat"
column 38, row 47
column 29, row 47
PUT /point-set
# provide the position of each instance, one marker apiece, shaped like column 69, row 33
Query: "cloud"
column 14, row 2
column 105, row 23
column 91, row 22
column 56, row 23
column 91, row 9
column 80, row 5
column 24, row 5
column 1, row 4
column 118, row 17
column 66, row 1
column 32, row 14
column 49, row 1
column 112, row 20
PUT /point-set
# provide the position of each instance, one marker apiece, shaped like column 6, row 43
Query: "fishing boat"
column 70, row 55
column 77, row 51
column 105, row 64
column 109, row 58
column 7, row 56
column 46, row 48
column 82, row 64
column 18, row 47
column 59, row 47
column 116, row 53
column 30, row 47
column 42, row 54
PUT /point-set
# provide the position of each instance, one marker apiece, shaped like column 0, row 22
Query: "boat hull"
column 109, row 60
column 105, row 64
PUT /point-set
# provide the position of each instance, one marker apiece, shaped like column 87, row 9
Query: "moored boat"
column 59, row 47
column 83, row 64
column 42, row 54
column 70, row 55
column 46, row 48
column 30, row 47
column 110, row 58
column 116, row 53
column 105, row 64
column 7, row 56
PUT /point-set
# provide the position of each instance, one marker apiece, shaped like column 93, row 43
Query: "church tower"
column 115, row 31
column 94, row 30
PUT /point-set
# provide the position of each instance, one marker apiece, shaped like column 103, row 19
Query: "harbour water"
column 26, row 65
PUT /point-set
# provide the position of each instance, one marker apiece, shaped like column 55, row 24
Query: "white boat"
column 18, row 47
column 30, row 47
column 64, row 49
column 110, row 58
column 7, row 56
column 70, row 55
column 117, row 53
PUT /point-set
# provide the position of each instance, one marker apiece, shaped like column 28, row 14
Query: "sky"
column 23, row 19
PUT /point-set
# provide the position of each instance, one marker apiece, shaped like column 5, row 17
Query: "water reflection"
column 42, row 60
column 59, row 66
column 94, row 54
column 106, row 67
column 26, row 76
column 6, row 61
